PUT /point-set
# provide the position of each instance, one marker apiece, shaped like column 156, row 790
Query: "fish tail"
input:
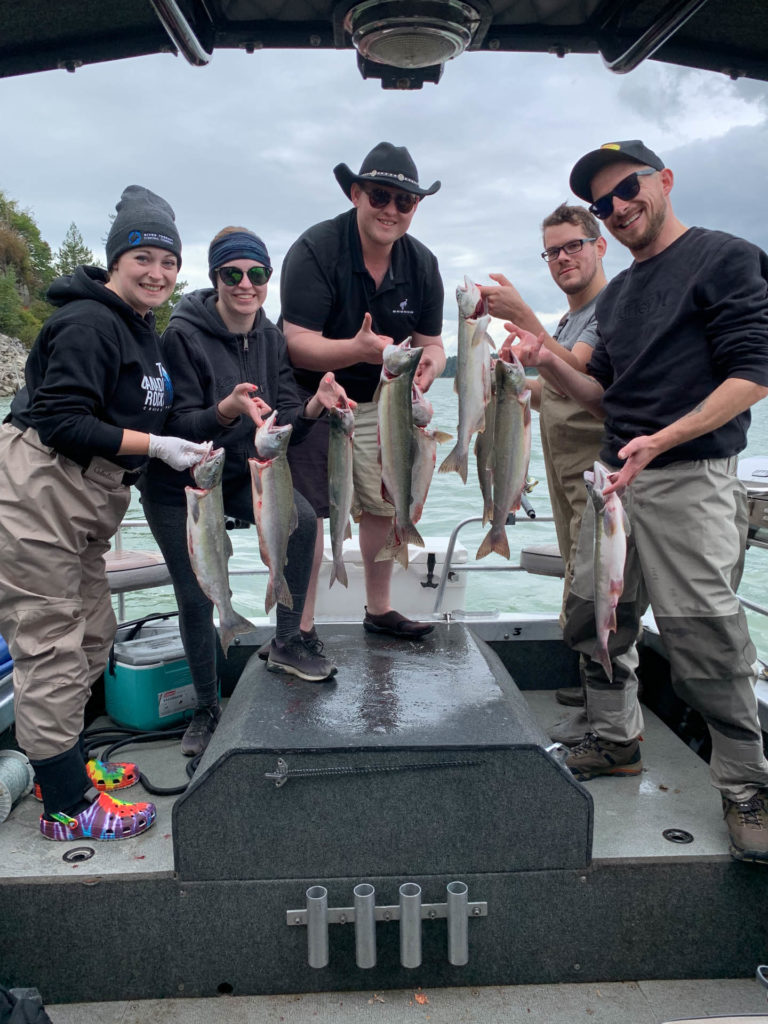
column 236, row 626
column 494, row 540
column 283, row 594
column 390, row 544
column 411, row 535
column 455, row 462
column 601, row 656
column 339, row 572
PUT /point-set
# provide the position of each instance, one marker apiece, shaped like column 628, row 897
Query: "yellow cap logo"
column 610, row 145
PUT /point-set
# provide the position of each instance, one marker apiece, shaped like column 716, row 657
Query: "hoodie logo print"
column 158, row 391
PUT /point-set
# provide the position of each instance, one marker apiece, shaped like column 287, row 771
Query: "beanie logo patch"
column 134, row 237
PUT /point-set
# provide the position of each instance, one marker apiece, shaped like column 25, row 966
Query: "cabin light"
column 412, row 34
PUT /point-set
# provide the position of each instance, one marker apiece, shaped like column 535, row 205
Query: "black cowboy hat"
column 385, row 165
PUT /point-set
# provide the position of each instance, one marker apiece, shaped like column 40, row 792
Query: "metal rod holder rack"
column 409, row 911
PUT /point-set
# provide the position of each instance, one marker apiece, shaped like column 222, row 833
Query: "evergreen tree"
column 73, row 252
column 163, row 313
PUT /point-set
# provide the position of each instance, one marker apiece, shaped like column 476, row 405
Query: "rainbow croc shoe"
column 106, row 776
column 105, row 818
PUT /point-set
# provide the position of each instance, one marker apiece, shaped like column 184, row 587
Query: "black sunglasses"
column 380, row 198
column 626, row 189
column 231, row 276
column 570, row 248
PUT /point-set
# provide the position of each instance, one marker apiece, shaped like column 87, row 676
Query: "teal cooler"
column 150, row 686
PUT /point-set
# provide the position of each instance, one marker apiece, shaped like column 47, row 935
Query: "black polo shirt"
column 325, row 287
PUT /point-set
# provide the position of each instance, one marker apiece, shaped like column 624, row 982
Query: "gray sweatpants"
column 56, row 521
column 685, row 556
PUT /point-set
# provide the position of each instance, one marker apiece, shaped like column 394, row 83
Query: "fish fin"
column 236, row 627
column 377, row 392
column 456, row 384
column 283, row 593
column 601, row 656
column 269, row 598
column 294, row 521
column 388, row 551
column 411, row 536
column 455, row 463
column 338, row 572
column 499, row 544
column 348, row 533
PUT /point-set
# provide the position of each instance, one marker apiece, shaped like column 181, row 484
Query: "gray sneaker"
column 748, row 827
column 311, row 640
column 295, row 659
column 199, row 731
column 594, row 756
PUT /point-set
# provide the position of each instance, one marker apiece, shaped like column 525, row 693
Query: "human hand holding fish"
column 177, row 452
column 369, row 344
column 329, row 395
column 427, row 370
column 242, row 400
column 505, row 302
column 530, row 348
column 637, row 453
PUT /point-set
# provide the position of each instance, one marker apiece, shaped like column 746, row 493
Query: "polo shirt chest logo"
column 403, row 308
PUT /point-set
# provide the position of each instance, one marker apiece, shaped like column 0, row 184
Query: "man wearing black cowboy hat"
column 349, row 287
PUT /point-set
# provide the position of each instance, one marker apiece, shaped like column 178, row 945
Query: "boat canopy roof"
column 404, row 43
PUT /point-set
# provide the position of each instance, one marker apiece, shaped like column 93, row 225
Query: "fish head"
column 400, row 359
column 207, row 472
column 471, row 302
column 272, row 439
column 510, row 373
column 422, row 407
column 342, row 417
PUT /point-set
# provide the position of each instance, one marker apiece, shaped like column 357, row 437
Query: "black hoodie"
column 205, row 361
column 94, row 370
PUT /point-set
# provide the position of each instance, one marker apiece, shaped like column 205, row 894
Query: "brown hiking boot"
column 594, row 756
column 747, row 823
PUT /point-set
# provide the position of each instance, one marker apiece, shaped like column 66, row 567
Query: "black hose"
column 124, row 737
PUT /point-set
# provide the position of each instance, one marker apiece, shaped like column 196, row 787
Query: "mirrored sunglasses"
column 570, row 248
column 380, row 198
column 231, row 276
column 626, row 189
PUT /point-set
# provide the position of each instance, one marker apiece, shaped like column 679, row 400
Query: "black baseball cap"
column 585, row 169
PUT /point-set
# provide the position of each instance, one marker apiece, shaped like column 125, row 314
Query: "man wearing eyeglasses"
column 570, row 436
column 682, row 354
column 349, row 287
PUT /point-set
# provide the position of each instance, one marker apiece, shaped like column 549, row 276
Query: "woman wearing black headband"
column 220, row 348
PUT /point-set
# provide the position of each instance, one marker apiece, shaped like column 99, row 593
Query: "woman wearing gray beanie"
column 218, row 337
column 95, row 402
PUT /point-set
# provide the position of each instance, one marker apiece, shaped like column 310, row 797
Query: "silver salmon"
column 340, row 488
column 425, row 455
column 396, row 446
column 611, row 531
column 209, row 544
column 511, row 451
column 484, row 454
column 273, row 505
column 473, row 375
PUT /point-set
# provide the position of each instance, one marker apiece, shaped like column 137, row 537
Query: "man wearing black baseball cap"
column 682, row 354
column 349, row 287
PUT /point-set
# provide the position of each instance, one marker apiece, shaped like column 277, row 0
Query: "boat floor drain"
column 78, row 853
column 677, row 835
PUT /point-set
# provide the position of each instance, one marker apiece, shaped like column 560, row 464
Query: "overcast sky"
column 252, row 139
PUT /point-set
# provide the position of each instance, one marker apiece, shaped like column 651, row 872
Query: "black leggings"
column 198, row 635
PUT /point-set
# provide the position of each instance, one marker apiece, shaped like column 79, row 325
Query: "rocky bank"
column 13, row 356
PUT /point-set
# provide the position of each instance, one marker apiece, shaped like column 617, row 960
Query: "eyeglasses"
column 626, row 189
column 570, row 249
column 231, row 276
column 380, row 198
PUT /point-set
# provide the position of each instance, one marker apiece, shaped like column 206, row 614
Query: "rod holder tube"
column 410, row 924
column 365, row 925
column 458, row 924
column 317, row 926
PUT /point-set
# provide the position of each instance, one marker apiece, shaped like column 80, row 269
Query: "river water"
column 450, row 502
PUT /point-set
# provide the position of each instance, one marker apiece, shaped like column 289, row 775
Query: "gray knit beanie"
column 143, row 218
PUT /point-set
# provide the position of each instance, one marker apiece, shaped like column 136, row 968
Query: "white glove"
column 177, row 452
